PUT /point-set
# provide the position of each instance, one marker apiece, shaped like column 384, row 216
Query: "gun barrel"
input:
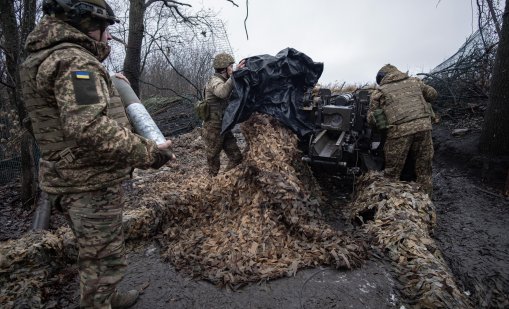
column 343, row 99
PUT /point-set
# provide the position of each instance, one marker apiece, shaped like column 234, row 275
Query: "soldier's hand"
column 121, row 76
column 163, row 155
column 241, row 65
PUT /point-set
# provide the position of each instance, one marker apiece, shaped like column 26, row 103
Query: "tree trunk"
column 14, row 53
column 132, row 60
column 495, row 138
column 28, row 23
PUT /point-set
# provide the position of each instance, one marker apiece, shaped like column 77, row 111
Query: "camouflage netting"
column 401, row 219
column 268, row 224
column 258, row 221
column 29, row 264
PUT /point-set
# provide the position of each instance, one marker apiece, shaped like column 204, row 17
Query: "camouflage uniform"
column 405, row 103
column 216, row 93
column 87, row 147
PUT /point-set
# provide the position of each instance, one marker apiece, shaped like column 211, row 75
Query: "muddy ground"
column 472, row 231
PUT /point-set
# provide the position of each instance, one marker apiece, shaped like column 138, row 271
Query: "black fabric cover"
column 274, row 86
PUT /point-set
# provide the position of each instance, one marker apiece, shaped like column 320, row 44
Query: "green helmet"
column 222, row 60
column 76, row 10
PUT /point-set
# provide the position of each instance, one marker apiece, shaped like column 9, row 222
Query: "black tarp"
column 274, row 86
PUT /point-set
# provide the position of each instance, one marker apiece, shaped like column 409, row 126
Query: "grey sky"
column 352, row 38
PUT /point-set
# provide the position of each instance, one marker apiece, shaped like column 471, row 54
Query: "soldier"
column 217, row 92
column 87, row 147
column 401, row 104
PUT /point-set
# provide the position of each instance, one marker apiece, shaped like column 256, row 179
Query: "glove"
column 161, row 157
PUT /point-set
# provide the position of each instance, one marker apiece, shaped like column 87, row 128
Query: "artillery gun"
column 343, row 138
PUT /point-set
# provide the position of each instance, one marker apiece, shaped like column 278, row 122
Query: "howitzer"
column 343, row 137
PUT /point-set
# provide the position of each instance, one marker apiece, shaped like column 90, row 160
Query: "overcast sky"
column 352, row 38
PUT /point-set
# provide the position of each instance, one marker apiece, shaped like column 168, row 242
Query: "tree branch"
column 245, row 20
column 494, row 16
column 479, row 21
column 445, row 83
column 174, row 68
column 166, row 3
column 163, row 88
column 233, row 3
column 117, row 39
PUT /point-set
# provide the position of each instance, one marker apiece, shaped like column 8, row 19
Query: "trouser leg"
column 96, row 220
column 422, row 147
column 396, row 151
column 214, row 144
column 232, row 150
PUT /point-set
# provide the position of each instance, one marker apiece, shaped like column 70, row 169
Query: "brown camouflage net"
column 268, row 225
column 29, row 264
column 258, row 221
column 277, row 230
column 401, row 219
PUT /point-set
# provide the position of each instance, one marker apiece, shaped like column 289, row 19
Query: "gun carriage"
column 343, row 138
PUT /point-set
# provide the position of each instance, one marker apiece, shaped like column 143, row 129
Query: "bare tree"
column 184, row 72
column 494, row 137
column 17, row 19
column 176, row 11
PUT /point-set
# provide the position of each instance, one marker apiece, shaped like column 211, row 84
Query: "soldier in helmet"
column 401, row 106
column 86, row 143
column 217, row 92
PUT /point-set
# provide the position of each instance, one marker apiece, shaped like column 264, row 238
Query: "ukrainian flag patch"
column 82, row 74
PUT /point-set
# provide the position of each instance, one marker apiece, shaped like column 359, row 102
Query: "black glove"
column 161, row 157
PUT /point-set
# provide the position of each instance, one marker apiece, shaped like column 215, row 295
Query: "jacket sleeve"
column 221, row 89
column 429, row 93
column 82, row 104
column 374, row 103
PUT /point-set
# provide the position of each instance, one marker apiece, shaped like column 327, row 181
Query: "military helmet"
column 79, row 9
column 222, row 60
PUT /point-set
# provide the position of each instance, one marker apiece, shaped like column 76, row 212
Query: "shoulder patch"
column 85, row 89
column 82, row 75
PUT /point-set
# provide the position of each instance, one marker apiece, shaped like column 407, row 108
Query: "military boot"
column 124, row 300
